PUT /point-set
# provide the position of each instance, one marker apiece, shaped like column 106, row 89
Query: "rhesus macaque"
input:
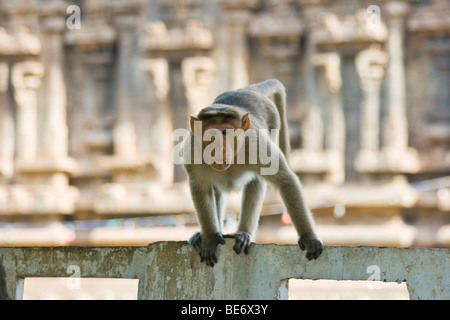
column 240, row 124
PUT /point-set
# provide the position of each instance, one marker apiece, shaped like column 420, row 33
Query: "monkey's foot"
column 242, row 241
column 313, row 246
column 196, row 241
column 206, row 247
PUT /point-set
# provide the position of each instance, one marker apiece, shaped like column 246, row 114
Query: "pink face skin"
column 227, row 153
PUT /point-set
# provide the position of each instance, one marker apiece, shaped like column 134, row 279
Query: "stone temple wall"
column 90, row 92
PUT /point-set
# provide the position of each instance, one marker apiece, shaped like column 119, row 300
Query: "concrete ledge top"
column 172, row 270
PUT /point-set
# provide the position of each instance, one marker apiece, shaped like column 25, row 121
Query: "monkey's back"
column 261, row 108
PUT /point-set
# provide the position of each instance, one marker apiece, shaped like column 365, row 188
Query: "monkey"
column 252, row 111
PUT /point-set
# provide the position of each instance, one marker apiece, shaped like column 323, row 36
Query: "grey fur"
column 208, row 186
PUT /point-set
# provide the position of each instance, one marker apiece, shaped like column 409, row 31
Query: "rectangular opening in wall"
column 71, row 288
column 300, row 289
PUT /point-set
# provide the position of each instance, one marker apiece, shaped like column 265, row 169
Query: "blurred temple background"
column 90, row 92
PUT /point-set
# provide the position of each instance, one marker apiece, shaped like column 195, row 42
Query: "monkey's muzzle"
column 220, row 166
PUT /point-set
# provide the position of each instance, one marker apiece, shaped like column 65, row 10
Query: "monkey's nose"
column 221, row 166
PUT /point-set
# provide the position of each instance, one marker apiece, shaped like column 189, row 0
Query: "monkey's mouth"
column 220, row 166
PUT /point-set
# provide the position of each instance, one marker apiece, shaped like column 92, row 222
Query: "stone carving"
column 176, row 44
column 332, row 64
column 198, row 78
column 237, row 16
column 6, row 126
column 278, row 31
column 96, row 30
column 352, row 28
column 26, row 79
column 55, row 133
column 3, row 77
column 278, row 34
column 19, row 42
column 42, row 184
column 395, row 139
column 94, row 49
column 370, row 65
column 181, row 11
column 432, row 18
column 335, row 135
column 158, row 68
column 125, row 20
column 188, row 52
column 193, row 36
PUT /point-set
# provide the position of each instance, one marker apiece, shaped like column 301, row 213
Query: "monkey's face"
column 221, row 140
column 219, row 146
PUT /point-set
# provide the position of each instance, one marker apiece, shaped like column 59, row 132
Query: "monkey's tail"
column 275, row 90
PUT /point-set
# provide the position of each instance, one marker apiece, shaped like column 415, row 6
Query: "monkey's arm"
column 220, row 198
column 252, row 198
column 291, row 192
column 210, row 237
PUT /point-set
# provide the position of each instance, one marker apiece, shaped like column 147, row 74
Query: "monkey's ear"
column 246, row 122
column 193, row 119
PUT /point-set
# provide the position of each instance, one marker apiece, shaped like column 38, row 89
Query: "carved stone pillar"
column 312, row 127
column 43, row 183
column 395, row 140
column 94, row 56
column 312, row 159
column 429, row 28
column 331, row 62
column 160, row 132
column 125, row 19
column 370, row 65
column 97, row 137
column 55, row 130
column 6, row 126
column 26, row 79
column 181, row 11
column 278, row 32
column 335, row 136
column 237, row 14
column 158, row 69
column 40, row 179
column 396, row 123
column 176, row 45
column 178, row 103
column 18, row 43
column 198, row 78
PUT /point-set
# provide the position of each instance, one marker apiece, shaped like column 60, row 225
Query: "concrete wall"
column 172, row 270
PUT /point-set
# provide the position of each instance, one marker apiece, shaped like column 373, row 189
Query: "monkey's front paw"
column 206, row 247
column 242, row 241
column 313, row 246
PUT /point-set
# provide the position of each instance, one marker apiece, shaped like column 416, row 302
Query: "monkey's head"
column 221, row 127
